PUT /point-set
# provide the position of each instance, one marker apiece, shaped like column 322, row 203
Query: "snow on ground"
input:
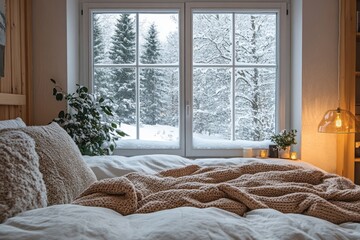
column 151, row 137
column 167, row 137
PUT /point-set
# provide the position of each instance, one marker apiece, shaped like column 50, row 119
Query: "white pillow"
column 13, row 123
column 117, row 166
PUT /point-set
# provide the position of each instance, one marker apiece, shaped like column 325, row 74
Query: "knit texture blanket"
column 238, row 189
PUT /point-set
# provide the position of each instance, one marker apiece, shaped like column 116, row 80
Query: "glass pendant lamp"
column 338, row 120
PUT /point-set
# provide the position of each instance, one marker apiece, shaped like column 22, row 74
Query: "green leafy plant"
column 84, row 121
column 284, row 138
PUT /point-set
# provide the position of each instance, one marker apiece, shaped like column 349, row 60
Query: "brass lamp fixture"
column 338, row 120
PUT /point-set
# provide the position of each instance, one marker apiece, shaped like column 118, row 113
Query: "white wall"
column 315, row 48
column 296, row 71
column 319, row 80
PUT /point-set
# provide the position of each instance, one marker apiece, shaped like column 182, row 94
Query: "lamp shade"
column 338, row 121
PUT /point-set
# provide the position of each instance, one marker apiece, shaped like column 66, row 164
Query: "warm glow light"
column 293, row 155
column 263, row 153
column 338, row 121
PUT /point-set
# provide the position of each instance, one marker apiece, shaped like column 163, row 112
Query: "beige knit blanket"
column 238, row 189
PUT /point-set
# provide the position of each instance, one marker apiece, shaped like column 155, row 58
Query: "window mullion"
column 233, row 80
column 137, row 84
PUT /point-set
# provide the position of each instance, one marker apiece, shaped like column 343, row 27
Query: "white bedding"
column 116, row 166
column 79, row 222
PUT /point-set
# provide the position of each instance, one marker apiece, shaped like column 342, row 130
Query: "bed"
column 57, row 208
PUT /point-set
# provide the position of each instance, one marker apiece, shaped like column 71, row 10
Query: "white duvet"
column 79, row 222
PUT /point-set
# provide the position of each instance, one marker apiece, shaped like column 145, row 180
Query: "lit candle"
column 293, row 155
column 263, row 153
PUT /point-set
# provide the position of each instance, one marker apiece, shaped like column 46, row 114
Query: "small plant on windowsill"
column 283, row 141
column 83, row 122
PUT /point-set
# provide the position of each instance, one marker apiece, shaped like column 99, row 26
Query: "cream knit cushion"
column 65, row 173
column 21, row 184
column 13, row 123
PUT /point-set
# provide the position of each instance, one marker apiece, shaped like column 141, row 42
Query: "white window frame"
column 283, row 58
column 88, row 9
column 185, row 8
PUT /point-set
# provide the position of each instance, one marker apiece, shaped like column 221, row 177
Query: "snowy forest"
column 234, row 73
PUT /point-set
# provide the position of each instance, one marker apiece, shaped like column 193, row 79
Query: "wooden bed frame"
column 15, row 87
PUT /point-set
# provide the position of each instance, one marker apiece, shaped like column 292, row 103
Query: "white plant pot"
column 284, row 153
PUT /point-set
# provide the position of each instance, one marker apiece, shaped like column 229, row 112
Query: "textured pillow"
column 21, row 184
column 64, row 171
column 13, row 123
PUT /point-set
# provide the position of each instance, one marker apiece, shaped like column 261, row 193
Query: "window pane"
column 146, row 100
column 255, row 103
column 255, row 37
column 114, row 38
column 159, row 104
column 211, row 104
column 250, row 118
column 159, row 38
column 212, row 38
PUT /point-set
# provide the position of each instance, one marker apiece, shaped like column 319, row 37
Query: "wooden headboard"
column 16, row 86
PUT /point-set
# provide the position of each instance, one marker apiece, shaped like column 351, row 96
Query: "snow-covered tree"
column 122, row 51
column 100, row 76
column 98, row 42
column 255, row 87
column 170, row 54
column 211, row 106
column 212, row 85
column 152, row 86
column 212, row 38
column 255, row 43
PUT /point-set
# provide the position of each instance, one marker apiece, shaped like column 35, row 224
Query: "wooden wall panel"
column 15, row 87
column 346, row 142
column 26, row 56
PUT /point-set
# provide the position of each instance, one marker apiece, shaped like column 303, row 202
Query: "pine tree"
column 152, row 86
column 151, row 47
column 98, row 42
column 100, row 77
column 122, row 51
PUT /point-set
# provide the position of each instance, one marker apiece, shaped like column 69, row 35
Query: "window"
column 231, row 95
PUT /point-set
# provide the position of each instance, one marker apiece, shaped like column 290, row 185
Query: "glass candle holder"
column 247, row 152
column 263, row 153
column 293, row 155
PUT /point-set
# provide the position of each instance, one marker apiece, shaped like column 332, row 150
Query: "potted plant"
column 283, row 141
column 88, row 121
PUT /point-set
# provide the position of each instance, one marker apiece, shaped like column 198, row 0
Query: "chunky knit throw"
column 238, row 189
